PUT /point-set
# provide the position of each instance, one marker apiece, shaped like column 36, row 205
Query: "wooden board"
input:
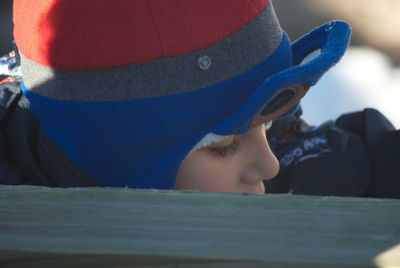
column 119, row 227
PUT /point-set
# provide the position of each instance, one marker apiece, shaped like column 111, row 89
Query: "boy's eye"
column 224, row 150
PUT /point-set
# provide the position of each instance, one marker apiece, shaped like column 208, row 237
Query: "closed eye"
column 224, row 151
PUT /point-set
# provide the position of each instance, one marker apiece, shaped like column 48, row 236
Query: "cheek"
column 202, row 172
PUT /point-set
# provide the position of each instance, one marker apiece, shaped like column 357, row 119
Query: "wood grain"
column 119, row 227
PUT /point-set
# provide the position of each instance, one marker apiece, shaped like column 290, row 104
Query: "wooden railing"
column 118, row 227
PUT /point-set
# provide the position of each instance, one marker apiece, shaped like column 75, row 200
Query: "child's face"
column 235, row 164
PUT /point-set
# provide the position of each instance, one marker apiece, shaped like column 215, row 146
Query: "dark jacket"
column 356, row 155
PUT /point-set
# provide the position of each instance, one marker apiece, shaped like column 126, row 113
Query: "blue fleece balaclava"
column 126, row 89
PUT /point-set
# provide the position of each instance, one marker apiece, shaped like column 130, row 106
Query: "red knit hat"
column 81, row 35
column 162, row 39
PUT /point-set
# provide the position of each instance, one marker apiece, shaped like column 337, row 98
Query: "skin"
column 236, row 164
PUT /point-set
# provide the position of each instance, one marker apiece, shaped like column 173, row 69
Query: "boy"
column 157, row 94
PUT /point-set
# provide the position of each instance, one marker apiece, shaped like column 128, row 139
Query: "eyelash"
column 224, row 151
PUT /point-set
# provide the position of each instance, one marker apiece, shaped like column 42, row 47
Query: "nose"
column 262, row 163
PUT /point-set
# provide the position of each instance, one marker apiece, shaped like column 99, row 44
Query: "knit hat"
column 126, row 89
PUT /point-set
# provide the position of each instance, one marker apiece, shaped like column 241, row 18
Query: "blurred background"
column 368, row 75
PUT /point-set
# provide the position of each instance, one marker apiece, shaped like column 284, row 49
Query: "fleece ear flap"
column 334, row 42
column 312, row 55
column 322, row 48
